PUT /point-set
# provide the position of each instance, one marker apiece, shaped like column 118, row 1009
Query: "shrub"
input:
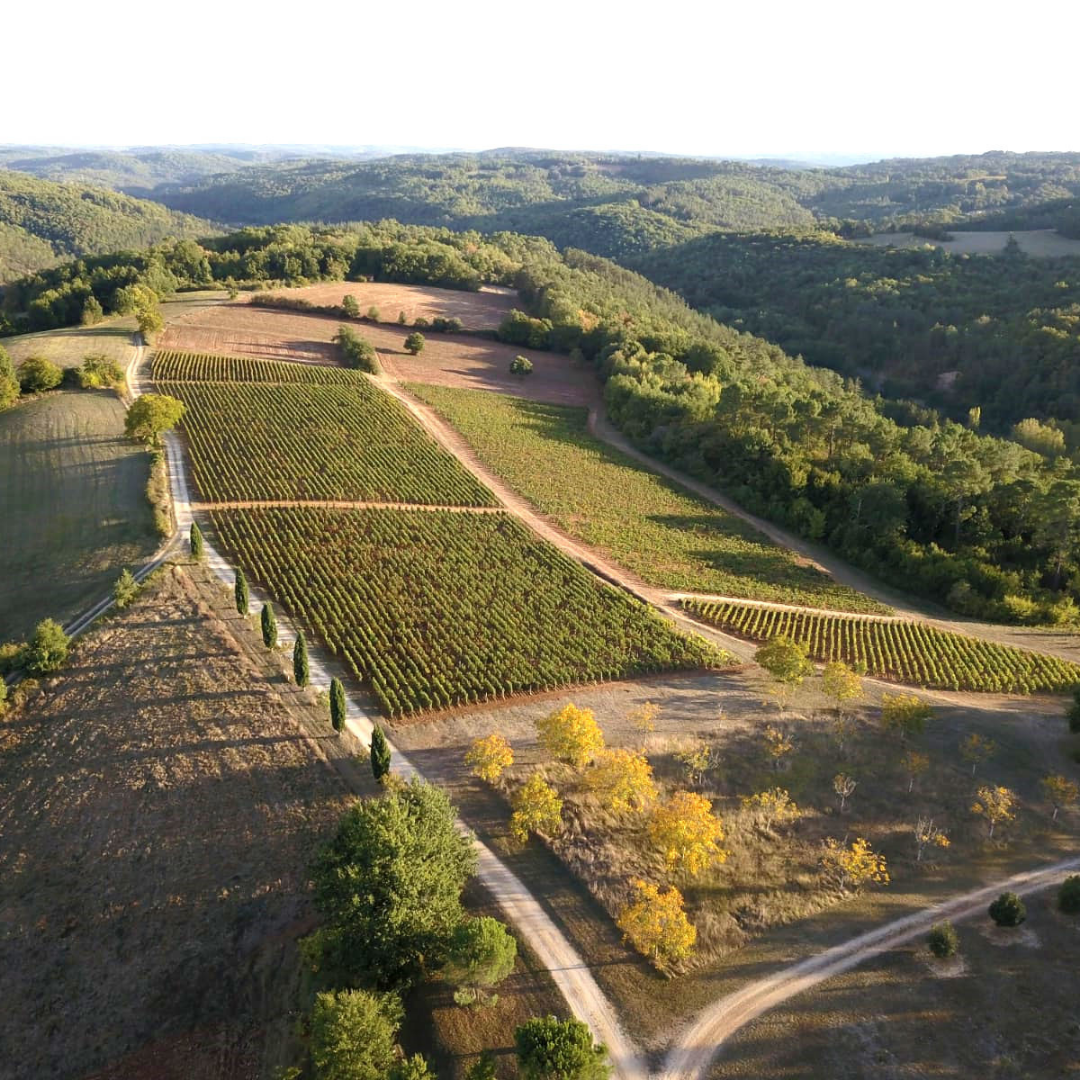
column 1069, row 895
column 414, row 343
column 47, row 649
column 353, row 1034
column 550, row 1049
column 943, row 940
column 350, row 306
column 356, row 352
column 446, row 326
column 12, row 655
column 483, row 1068
column 126, row 589
column 402, row 319
column 411, row 1068
column 1008, row 910
column 98, row 373
column 380, row 753
column 301, row 671
column 420, row 323
column 521, row 365
column 482, row 954
column 37, row 375
column 372, row 314
column 196, row 541
column 337, row 704
column 268, row 621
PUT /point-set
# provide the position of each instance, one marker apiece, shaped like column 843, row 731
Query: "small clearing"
column 1039, row 243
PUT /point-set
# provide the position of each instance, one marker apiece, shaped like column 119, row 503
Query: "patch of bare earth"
column 473, row 363
column 159, row 809
column 482, row 310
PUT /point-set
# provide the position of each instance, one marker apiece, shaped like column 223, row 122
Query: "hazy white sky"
column 700, row 78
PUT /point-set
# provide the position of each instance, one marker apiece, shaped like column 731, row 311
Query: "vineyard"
column 652, row 527
column 902, row 650
column 433, row 609
column 305, row 438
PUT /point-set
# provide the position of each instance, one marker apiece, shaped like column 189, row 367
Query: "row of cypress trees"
column 380, row 748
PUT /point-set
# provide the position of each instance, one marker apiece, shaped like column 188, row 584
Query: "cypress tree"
column 241, row 592
column 337, row 704
column 196, row 542
column 269, row 627
column 300, row 661
column 380, row 753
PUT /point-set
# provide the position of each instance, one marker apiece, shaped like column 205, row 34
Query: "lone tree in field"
column 350, row 306
column 550, row 1049
column 688, row 833
column 47, row 650
column 853, row 866
column 655, row 923
column 488, row 758
column 126, row 589
column 977, row 749
column 380, row 754
column 571, row 734
column 778, row 745
column 301, row 671
column 482, row 954
column 196, row 541
column 1008, row 910
column 1060, row 792
column 268, row 621
column 905, row 714
column 927, row 834
column 389, row 886
column 402, row 319
column 844, row 786
column 914, row 765
column 353, row 1034
column 151, row 415
column 788, row 664
column 623, row 781
column 537, row 808
column 414, row 343
column 772, row 807
column 240, row 592
column 521, row 365
column 841, row 684
column 643, row 718
column 996, row 804
column 337, row 705
column 150, row 323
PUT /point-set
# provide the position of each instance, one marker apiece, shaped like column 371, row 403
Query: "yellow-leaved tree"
column 914, row 764
column 853, row 866
column 1060, row 792
column 778, row 745
column 643, row 718
column 537, row 808
column 655, row 923
column 772, row 807
column 841, row 684
column 905, row 714
column 489, row 757
column 977, row 749
column 996, row 804
column 688, row 832
column 571, row 735
column 623, row 780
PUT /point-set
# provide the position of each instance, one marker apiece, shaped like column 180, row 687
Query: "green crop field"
column 434, row 608
column 296, row 438
column 73, row 507
column 666, row 536
column 902, row 650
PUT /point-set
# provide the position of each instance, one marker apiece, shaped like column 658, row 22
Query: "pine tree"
column 337, row 704
column 380, row 753
column 300, row 661
column 196, row 542
column 269, row 627
column 240, row 590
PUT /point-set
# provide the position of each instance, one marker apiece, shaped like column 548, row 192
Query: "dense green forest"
column 977, row 522
column 904, row 321
column 41, row 222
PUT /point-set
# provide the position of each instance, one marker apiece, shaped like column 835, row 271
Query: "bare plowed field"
column 158, row 811
column 482, row 310
column 447, row 359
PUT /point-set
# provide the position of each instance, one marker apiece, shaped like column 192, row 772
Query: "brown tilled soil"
column 482, row 310
column 159, row 808
column 474, row 363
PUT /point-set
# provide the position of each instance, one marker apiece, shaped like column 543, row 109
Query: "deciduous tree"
column 844, row 786
column 788, row 664
column 36, row 375
column 841, row 684
column 853, row 866
column 623, row 781
column 927, row 834
column 353, row 1034
column 350, row 306
column 977, row 749
column 655, row 923
column 696, row 760
column 905, row 713
column 489, row 757
column 151, row 415
column 9, row 382
column 643, row 718
column 571, row 735
column 688, row 833
column 414, row 343
column 771, row 807
column 778, row 745
column 537, row 808
column 996, row 804
column 1060, row 792
column 914, row 765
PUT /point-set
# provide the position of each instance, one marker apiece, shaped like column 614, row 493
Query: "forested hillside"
column 977, row 522
column 41, row 222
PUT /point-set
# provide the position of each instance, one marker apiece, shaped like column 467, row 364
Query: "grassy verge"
column 666, row 536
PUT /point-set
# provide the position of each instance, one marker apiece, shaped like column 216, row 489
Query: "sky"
column 705, row 78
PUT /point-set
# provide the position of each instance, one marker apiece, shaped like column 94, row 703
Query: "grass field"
column 653, row 528
column 901, row 650
column 68, row 348
column 73, row 507
column 1038, row 243
column 438, row 609
column 1002, row 1009
column 301, row 440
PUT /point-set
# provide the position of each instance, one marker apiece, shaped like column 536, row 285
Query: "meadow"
column 433, row 609
column 270, row 430
column 905, row 651
column 73, row 506
column 650, row 526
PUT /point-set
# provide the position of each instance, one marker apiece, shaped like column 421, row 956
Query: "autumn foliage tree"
column 537, row 808
column 571, row 734
column 488, row 758
column 905, row 714
column 977, row 749
column 841, row 684
column 788, row 664
column 688, row 833
column 1060, row 792
column 772, row 807
column 927, row 834
column 778, row 745
column 914, row 765
column 655, row 923
column 623, row 781
column 996, row 804
column 852, row 866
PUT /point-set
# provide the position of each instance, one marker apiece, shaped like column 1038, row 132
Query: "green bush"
column 350, row 306
column 99, row 373
column 301, row 669
column 521, row 365
column 1008, row 910
column 1069, row 895
column 414, row 343
column 126, row 589
column 353, row 1035
column 551, row 1049
column 356, row 352
column 196, row 542
column 12, row 656
column 412, row 1068
column 482, row 954
column 380, row 754
column 452, row 325
column 37, row 375
column 47, row 649
column 943, row 940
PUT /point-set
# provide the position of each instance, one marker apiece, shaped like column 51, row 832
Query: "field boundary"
column 340, row 504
